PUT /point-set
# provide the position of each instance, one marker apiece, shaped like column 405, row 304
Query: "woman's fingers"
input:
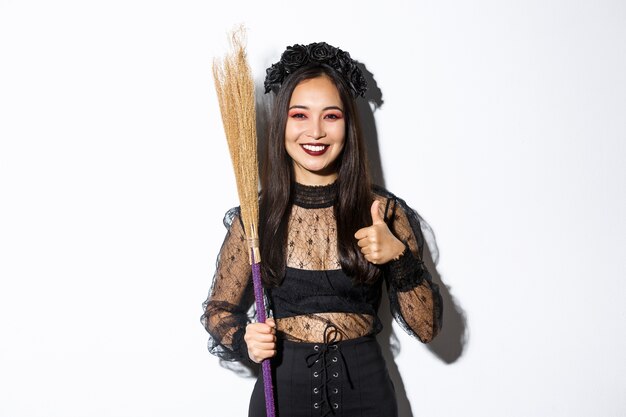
column 260, row 351
column 378, row 245
column 260, row 331
column 264, row 346
column 361, row 233
column 367, row 241
column 266, row 328
column 261, row 340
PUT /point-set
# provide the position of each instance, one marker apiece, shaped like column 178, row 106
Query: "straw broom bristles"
column 235, row 92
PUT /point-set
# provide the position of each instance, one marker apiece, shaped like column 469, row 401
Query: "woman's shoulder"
column 391, row 204
column 385, row 196
column 231, row 215
column 381, row 192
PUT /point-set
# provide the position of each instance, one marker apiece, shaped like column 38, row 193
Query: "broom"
column 235, row 93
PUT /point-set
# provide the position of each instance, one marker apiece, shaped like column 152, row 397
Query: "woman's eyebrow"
column 298, row 106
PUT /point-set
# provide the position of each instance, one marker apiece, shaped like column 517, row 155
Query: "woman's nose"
column 317, row 131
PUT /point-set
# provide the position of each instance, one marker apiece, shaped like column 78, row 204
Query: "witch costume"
column 328, row 361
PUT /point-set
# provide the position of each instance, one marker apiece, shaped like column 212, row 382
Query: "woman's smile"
column 315, row 149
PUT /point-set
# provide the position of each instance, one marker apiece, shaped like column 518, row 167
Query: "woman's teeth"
column 314, row 148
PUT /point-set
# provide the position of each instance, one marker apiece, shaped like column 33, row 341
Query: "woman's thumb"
column 376, row 217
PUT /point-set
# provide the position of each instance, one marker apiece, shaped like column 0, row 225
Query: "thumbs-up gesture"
column 377, row 243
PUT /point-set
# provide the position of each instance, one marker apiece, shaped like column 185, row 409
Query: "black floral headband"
column 298, row 56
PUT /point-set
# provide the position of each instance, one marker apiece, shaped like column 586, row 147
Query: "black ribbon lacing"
column 321, row 354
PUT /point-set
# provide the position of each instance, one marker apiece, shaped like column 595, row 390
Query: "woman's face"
column 315, row 131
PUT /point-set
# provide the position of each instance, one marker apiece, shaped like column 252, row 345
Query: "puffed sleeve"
column 226, row 308
column 414, row 299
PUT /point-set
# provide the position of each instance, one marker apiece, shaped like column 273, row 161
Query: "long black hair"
column 352, row 210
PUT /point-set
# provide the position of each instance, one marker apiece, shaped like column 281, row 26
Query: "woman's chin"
column 315, row 175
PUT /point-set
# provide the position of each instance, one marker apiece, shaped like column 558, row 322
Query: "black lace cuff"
column 226, row 335
column 242, row 347
column 407, row 272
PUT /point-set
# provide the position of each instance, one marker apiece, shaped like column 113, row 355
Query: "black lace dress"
column 317, row 307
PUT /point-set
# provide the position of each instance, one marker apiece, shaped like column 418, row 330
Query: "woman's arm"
column 225, row 310
column 394, row 241
column 414, row 299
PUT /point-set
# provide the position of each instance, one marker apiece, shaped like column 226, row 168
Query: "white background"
column 503, row 124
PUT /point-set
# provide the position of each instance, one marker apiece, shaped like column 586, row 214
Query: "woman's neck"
column 315, row 196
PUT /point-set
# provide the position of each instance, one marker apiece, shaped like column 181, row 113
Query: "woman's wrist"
column 400, row 249
column 406, row 272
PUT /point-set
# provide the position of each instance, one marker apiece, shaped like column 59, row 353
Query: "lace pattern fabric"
column 226, row 309
column 312, row 239
column 311, row 328
column 315, row 293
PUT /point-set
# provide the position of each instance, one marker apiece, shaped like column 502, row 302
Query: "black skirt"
column 343, row 379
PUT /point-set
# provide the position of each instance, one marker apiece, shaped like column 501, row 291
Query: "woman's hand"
column 261, row 340
column 377, row 242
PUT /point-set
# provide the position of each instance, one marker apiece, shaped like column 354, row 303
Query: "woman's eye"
column 333, row 116
column 297, row 115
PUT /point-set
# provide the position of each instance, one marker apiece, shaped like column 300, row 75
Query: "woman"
column 328, row 240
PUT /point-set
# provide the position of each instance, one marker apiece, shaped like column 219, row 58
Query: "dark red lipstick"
column 315, row 149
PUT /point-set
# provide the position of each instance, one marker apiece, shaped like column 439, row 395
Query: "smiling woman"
column 329, row 240
column 315, row 131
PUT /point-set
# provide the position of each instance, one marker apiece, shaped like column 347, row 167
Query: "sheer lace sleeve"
column 225, row 310
column 414, row 299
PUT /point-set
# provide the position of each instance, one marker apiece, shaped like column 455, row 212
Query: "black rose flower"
column 294, row 57
column 342, row 62
column 274, row 76
column 321, row 52
column 358, row 82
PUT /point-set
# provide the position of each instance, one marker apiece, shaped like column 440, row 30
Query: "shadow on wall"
column 448, row 346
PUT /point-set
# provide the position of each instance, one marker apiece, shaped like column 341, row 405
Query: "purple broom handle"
column 260, row 312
